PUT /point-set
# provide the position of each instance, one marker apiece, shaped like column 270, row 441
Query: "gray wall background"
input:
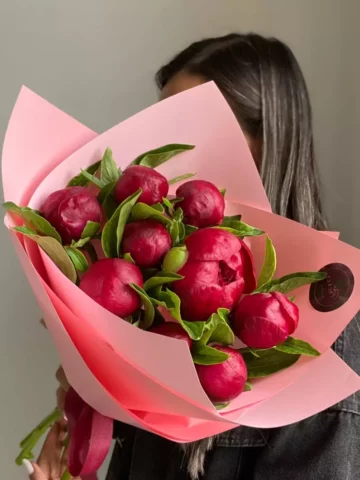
column 96, row 60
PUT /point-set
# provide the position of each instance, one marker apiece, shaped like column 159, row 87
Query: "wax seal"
column 335, row 290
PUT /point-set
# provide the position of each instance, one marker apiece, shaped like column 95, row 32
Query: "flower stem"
column 30, row 441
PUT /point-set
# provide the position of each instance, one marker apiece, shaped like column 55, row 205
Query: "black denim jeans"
column 323, row 447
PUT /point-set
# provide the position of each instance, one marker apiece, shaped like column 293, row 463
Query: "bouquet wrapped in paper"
column 177, row 301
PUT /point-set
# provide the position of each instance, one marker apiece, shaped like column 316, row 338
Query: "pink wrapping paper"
column 47, row 135
column 123, row 372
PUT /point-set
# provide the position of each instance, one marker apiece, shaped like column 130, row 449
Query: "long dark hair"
column 265, row 87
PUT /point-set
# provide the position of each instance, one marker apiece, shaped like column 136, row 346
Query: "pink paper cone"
column 147, row 380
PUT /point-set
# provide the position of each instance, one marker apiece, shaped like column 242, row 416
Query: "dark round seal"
column 335, row 290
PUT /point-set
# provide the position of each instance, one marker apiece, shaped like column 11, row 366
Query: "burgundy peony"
column 154, row 185
column 264, row 320
column 147, row 241
column 173, row 330
column 219, row 269
column 203, row 204
column 69, row 209
column 225, row 381
column 107, row 282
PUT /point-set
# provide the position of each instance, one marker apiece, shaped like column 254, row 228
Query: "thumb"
column 33, row 470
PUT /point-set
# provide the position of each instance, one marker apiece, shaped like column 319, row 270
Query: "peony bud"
column 107, row 282
column 202, row 204
column 68, row 210
column 264, row 320
column 154, row 185
column 147, row 241
column 218, row 269
column 224, row 381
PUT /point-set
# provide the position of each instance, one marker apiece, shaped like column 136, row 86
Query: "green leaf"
column 161, row 278
column 114, row 228
column 155, row 301
column 253, row 352
column 174, row 230
column 149, row 309
column 291, row 282
column 172, row 302
column 182, row 232
column 234, row 221
column 181, row 178
column 158, row 156
column 248, row 387
column 159, row 207
column 218, row 330
column 189, row 229
column 33, row 220
column 175, row 259
column 80, row 180
column 135, row 318
column 105, row 191
column 222, row 191
column 54, row 250
column 92, row 179
column 233, row 224
column 177, row 228
column 80, row 243
column 224, row 313
column 268, row 362
column 107, row 200
column 221, row 406
column 110, row 205
column 124, row 214
column 142, row 211
column 128, row 258
column 195, row 330
column 242, row 230
column 168, row 205
column 205, row 355
column 222, row 335
column 77, row 258
column 269, row 267
column 179, row 215
column 295, row 346
column 90, row 230
column 109, row 172
column 215, row 330
column 176, row 200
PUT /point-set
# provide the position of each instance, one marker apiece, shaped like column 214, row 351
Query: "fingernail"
column 28, row 466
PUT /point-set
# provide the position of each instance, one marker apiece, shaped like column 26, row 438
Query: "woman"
column 263, row 84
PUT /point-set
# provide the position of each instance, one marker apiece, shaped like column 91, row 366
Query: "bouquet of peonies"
column 170, row 312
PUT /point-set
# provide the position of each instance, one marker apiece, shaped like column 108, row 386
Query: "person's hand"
column 51, row 463
column 62, row 389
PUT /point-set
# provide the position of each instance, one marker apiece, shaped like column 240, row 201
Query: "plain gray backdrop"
column 96, row 60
